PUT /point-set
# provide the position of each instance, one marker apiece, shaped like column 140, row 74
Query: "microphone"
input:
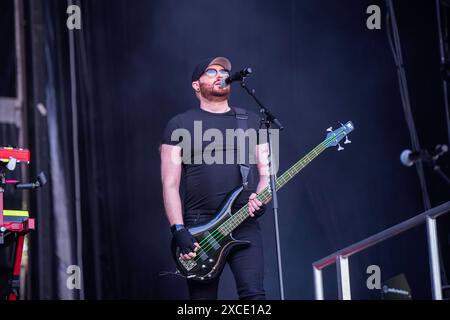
column 25, row 186
column 238, row 76
column 408, row 157
column 40, row 181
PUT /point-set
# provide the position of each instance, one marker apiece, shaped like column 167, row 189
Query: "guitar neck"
column 266, row 195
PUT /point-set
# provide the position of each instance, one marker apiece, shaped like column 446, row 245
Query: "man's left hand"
column 255, row 207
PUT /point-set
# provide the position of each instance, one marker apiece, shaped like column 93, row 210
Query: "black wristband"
column 176, row 227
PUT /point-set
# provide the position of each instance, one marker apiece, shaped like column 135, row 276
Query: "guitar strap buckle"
column 245, row 170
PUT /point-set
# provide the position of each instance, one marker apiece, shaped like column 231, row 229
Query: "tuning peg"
column 340, row 148
column 330, row 129
column 347, row 140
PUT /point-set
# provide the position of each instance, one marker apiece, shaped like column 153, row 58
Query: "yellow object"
column 16, row 213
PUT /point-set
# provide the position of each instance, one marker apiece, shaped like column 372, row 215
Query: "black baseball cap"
column 204, row 64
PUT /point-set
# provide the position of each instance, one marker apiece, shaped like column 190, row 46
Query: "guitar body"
column 214, row 245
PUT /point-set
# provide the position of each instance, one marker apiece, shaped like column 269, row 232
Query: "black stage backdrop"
column 315, row 63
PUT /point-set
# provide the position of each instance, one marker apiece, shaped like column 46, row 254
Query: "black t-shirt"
column 206, row 184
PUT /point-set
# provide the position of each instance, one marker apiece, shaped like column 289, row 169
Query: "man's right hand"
column 186, row 243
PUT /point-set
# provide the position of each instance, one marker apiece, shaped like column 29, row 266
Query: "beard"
column 213, row 92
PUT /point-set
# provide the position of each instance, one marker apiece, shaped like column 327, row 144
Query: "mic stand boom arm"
column 431, row 161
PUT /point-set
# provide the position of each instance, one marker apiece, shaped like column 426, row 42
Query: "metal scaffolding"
column 13, row 110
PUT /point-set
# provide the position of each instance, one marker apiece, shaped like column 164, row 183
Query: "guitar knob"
column 347, row 140
column 340, row 147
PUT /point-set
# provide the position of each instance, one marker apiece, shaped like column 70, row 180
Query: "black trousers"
column 247, row 266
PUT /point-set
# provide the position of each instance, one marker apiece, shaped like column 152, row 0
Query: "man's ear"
column 196, row 86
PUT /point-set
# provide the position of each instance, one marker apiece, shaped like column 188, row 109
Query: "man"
column 206, row 184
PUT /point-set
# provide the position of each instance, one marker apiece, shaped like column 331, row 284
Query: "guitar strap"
column 242, row 123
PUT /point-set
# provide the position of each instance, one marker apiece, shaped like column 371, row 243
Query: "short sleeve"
column 168, row 136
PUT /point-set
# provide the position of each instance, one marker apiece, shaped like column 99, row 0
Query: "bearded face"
column 213, row 91
column 208, row 86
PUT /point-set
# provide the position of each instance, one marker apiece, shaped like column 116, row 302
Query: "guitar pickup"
column 211, row 241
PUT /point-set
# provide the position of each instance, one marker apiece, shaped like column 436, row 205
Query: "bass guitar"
column 215, row 237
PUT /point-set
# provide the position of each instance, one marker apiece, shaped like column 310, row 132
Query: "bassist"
column 204, row 184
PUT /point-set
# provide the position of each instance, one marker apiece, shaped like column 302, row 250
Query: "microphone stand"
column 269, row 119
column 431, row 161
column 440, row 173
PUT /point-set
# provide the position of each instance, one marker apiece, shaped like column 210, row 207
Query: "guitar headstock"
column 334, row 137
